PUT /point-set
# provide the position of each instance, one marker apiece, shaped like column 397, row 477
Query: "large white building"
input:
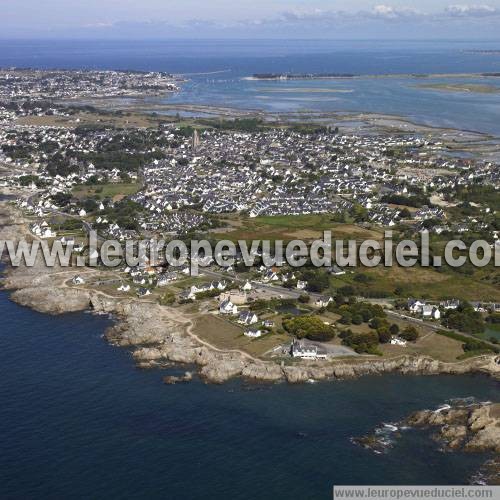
column 304, row 351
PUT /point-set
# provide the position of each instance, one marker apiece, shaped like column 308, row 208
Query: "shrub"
column 394, row 329
column 357, row 319
column 384, row 335
column 310, row 327
column 361, row 342
column 409, row 334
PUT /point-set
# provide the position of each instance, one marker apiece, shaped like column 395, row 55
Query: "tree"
column 384, row 335
column 366, row 342
column 89, row 205
column 362, row 278
column 472, row 345
column 359, row 213
column 304, row 299
column 310, row 327
column 317, row 281
column 92, row 180
column 61, row 199
column 394, row 329
column 409, row 334
column 26, row 180
column 347, row 291
column 346, row 318
column 357, row 319
column 377, row 323
column 168, row 299
column 405, row 214
column 464, row 319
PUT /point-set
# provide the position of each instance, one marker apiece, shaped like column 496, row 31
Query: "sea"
column 79, row 421
column 217, row 72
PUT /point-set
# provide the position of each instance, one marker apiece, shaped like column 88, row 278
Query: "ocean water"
column 77, row 420
column 217, row 69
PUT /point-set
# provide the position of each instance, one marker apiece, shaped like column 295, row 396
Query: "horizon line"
column 245, row 39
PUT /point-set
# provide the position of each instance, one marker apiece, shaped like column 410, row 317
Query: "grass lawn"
column 186, row 282
column 428, row 344
column 433, row 345
column 290, row 227
column 115, row 191
column 225, row 335
column 429, row 284
column 126, row 120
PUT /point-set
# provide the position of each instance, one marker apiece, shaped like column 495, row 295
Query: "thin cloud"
column 465, row 11
column 325, row 18
column 388, row 12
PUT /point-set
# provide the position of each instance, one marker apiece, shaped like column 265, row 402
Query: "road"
column 285, row 292
column 279, row 290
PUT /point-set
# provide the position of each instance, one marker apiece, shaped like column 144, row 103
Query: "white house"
column 248, row 318
column 301, row 285
column 227, row 307
column 324, row 301
column 270, row 275
column 479, row 307
column 398, row 341
column 77, row 280
column 206, row 287
column 303, row 351
column 124, row 288
column 254, row 334
column 247, row 287
column 219, row 285
column 415, row 306
column 48, row 233
column 450, row 304
column 430, row 312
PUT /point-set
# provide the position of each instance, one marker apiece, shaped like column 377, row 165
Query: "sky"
column 334, row 19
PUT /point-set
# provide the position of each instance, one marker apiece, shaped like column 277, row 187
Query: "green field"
column 290, row 227
column 419, row 282
column 223, row 334
column 110, row 190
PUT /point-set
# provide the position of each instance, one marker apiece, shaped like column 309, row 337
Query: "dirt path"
column 189, row 321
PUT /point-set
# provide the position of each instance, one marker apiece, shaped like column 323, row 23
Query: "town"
column 248, row 179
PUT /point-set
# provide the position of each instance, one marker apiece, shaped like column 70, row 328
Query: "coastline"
column 158, row 334
column 461, row 426
column 319, row 76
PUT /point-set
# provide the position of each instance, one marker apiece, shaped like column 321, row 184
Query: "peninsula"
column 69, row 168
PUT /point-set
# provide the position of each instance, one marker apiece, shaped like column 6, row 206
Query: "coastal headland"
column 159, row 336
column 122, row 161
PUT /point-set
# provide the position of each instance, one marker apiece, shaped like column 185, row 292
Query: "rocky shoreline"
column 465, row 427
column 157, row 334
column 471, row 428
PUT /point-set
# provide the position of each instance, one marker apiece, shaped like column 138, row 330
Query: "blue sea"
column 77, row 420
column 216, row 70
